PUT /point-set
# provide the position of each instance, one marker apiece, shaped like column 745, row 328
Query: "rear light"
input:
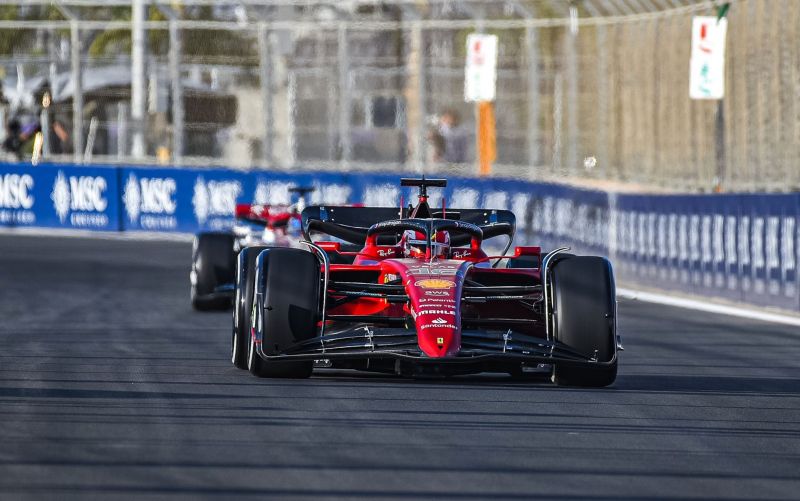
column 527, row 251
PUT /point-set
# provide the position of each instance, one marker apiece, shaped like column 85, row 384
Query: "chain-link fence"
column 306, row 85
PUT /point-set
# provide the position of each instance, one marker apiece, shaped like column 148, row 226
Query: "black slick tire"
column 213, row 264
column 243, row 304
column 584, row 310
column 286, row 310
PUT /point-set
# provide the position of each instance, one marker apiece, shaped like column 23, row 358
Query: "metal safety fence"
column 582, row 93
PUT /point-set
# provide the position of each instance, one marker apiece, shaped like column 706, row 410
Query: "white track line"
column 100, row 235
column 693, row 304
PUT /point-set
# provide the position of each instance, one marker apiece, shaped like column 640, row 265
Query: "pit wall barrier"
column 742, row 247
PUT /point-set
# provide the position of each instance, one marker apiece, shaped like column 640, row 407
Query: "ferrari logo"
column 440, row 341
column 435, row 283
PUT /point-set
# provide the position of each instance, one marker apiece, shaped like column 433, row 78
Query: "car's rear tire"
column 243, row 304
column 213, row 264
column 286, row 310
column 584, row 317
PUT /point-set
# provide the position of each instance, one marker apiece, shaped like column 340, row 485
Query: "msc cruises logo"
column 215, row 198
column 79, row 194
column 132, row 197
column 61, row 196
column 15, row 191
column 150, row 195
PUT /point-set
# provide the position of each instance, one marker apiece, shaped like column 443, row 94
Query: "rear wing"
column 352, row 223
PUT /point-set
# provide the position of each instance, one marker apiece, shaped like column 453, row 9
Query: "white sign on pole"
column 481, row 68
column 707, row 64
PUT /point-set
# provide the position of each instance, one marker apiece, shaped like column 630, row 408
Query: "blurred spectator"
column 14, row 139
column 19, row 138
column 437, row 145
column 455, row 137
column 59, row 139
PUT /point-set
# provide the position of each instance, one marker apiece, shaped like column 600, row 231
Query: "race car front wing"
column 366, row 341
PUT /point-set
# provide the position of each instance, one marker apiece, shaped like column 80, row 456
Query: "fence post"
column 122, row 130
column 572, row 100
column 602, row 101
column 77, row 94
column 177, row 90
column 265, row 82
column 138, row 149
column 558, row 98
column 344, row 95
column 418, row 46
column 532, row 57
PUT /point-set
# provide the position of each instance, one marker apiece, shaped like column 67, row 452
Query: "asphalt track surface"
column 112, row 387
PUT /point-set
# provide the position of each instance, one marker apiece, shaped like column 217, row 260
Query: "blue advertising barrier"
column 59, row 196
column 742, row 247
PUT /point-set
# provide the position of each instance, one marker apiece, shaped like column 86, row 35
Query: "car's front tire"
column 584, row 318
column 243, row 304
column 285, row 311
column 213, row 264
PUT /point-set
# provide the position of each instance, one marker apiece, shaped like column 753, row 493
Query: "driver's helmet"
column 413, row 244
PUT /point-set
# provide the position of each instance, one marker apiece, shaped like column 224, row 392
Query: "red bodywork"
column 269, row 216
column 434, row 288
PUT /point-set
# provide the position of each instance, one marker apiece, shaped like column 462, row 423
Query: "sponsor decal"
column 431, row 270
column 436, row 312
column 132, row 198
column 519, row 206
column 215, row 198
column 464, row 197
column 394, row 223
column 461, row 254
column 332, row 194
column 439, row 321
column 61, row 196
column 81, row 198
column 381, row 195
column 385, row 252
column 272, row 193
column 436, row 299
column 390, row 277
column 15, row 191
column 773, row 227
column 495, row 200
column 16, row 200
column 437, row 293
column 200, row 200
column 444, row 326
column 150, row 201
column 435, row 283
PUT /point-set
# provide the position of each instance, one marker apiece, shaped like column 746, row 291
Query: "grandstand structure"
column 588, row 91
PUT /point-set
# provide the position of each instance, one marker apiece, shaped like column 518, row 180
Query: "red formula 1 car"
column 214, row 253
column 421, row 298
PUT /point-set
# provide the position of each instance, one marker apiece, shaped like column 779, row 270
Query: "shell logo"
column 435, row 283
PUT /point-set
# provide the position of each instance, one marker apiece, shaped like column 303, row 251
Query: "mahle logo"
column 78, row 194
column 15, row 191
